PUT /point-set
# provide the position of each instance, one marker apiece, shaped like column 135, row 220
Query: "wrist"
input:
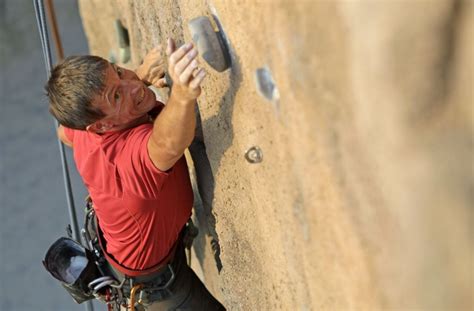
column 180, row 99
column 139, row 73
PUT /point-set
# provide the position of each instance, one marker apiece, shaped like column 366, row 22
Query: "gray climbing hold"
column 123, row 41
column 265, row 85
column 112, row 58
column 210, row 43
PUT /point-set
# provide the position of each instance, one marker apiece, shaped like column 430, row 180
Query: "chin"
column 150, row 106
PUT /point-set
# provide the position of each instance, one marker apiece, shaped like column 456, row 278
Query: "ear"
column 99, row 127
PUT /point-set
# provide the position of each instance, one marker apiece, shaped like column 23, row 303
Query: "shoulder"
column 131, row 138
column 138, row 131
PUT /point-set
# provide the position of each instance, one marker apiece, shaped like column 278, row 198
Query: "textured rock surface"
column 364, row 196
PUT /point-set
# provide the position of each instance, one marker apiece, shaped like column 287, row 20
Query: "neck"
column 141, row 120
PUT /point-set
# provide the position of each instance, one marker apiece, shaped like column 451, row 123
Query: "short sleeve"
column 138, row 174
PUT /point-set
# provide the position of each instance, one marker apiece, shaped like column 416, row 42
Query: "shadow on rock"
column 222, row 140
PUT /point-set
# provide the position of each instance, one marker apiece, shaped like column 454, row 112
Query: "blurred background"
column 33, row 202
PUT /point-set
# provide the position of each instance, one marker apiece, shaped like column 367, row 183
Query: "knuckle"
column 173, row 58
column 189, row 73
column 189, row 67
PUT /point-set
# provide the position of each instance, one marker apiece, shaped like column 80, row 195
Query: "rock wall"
column 363, row 199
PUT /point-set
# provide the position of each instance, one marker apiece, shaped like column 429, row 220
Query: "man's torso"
column 141, row 210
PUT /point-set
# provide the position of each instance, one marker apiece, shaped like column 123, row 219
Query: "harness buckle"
column 154, row 293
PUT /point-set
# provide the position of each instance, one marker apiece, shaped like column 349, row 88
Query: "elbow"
column 62, row 136
column 174, row 151
column 167, row 148
column 172, row 145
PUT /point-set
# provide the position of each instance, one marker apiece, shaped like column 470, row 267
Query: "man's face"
column 125, row 99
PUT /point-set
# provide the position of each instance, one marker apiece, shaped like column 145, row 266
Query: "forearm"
column 173, row 129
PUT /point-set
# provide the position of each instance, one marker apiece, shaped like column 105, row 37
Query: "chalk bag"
column 73, row 265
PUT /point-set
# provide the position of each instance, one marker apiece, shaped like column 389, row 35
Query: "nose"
column 134, row 87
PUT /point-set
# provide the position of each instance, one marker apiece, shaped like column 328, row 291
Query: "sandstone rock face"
column 363, row 200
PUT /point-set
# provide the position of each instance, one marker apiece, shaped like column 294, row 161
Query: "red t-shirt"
column 141, row 210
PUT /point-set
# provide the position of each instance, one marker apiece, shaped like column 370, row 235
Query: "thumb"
column 160, row 83
column 171, row 47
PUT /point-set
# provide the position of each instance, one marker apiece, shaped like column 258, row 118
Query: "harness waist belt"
column 142, row 274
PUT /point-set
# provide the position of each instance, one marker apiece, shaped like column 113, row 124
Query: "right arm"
column 173, row 129
column 62, row 136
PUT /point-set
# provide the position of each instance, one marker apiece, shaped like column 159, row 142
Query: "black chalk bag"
column 73, row 265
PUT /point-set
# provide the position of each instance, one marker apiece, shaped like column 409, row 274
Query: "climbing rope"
column 44, row 38
column 43, row 31
column 54, row 29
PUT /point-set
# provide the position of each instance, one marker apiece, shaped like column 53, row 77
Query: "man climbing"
column 128, row 149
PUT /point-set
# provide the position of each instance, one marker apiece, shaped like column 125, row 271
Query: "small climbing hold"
column 254, row 155
column 265, row 85
column 112, row 58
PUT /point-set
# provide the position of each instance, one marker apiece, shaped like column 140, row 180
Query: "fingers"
column 184, row 62
column 178, row 55
column 153, row 56
column 160, row 83
column 152, row 64
column 155, row 60
column 157, row 72
column 184, row 71
column 196, row 82
column 188, row 71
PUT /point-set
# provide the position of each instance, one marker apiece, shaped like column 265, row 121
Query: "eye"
column 117, row 97
column 119, row 72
